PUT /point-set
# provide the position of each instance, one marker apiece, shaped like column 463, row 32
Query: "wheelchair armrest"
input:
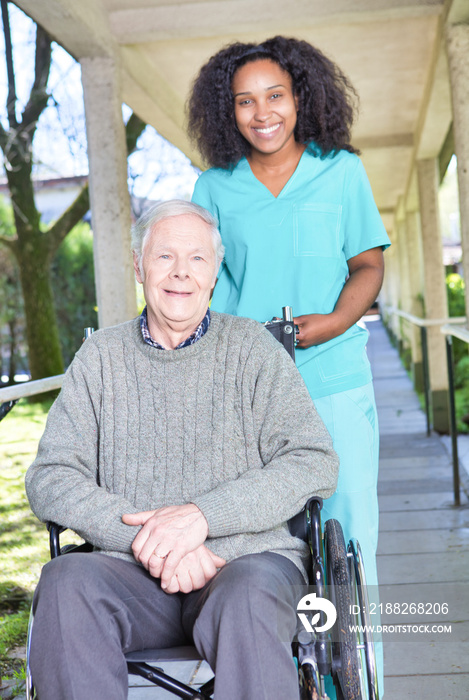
column 54, row 542
column 54, row 538
column 303, row 524
column 307, row 526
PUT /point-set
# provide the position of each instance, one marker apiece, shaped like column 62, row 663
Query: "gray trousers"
column 90, row 609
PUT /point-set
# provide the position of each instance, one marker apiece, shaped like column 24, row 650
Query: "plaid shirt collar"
column 193, row 338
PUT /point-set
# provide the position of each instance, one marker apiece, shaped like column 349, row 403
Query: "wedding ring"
column 160, row 556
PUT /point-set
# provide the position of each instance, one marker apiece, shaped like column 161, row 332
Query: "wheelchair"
column 336, row 576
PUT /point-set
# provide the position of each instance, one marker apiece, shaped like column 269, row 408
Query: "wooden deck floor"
column 423, row 553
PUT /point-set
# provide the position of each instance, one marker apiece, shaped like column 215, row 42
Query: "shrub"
column 74, row 289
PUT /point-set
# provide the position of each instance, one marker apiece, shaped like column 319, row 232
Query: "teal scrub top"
column 292, row 250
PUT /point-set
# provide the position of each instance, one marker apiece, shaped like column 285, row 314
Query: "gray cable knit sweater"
column 226, row 423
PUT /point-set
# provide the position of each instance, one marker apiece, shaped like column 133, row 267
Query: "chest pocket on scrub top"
column 316, row 230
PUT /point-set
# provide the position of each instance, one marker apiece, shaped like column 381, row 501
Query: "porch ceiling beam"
column 82, row 28
column 366, row 143
column 210, row 18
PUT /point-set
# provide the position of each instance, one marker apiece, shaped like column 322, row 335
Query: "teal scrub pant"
column 351, row 418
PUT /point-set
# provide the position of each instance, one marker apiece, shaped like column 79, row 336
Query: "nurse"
column 300, row 228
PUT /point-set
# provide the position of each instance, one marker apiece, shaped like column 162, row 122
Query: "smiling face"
column 179, row 271
column 265, row 107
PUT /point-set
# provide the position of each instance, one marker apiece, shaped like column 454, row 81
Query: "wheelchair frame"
column 336, row 573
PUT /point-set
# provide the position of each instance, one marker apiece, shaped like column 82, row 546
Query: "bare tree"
column 34, row 246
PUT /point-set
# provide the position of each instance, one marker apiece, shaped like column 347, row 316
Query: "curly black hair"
column 326, row 100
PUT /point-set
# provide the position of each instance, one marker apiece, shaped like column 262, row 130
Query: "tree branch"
column 11, row 99
column 39, row 96
column 134, row 127
column 70, row 217
column 80, row 206
column 77, row 210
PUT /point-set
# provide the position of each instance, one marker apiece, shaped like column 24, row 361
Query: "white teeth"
column 268, row 130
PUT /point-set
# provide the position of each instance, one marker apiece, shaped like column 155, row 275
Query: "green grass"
column 23, row 539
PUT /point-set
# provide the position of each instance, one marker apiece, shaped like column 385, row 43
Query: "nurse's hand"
column 315, row 329
column 359, row 292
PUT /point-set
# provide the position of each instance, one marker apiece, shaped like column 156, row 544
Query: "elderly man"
column 180, row 445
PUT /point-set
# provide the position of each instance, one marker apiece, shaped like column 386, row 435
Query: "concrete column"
column 414, row 256
column 396, row 282
column 110, row 204
column 388, row 295
column 457, row 42
column 404, row 291
column 436, row 304
column 404, row 284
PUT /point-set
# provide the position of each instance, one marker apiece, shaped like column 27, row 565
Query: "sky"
column 157, row 171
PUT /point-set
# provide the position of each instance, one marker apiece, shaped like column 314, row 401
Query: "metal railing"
column 9, row 395
column 450, row 328
column 423, row 324
column 25, row 389
column 451, row 331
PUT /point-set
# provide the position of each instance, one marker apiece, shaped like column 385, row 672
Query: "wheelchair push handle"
column 284, row 330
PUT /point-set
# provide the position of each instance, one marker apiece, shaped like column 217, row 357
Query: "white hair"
column 174, row 207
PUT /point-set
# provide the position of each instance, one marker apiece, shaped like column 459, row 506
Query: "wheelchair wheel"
column 30, row 689
column 365, row 643
column 345, row 667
